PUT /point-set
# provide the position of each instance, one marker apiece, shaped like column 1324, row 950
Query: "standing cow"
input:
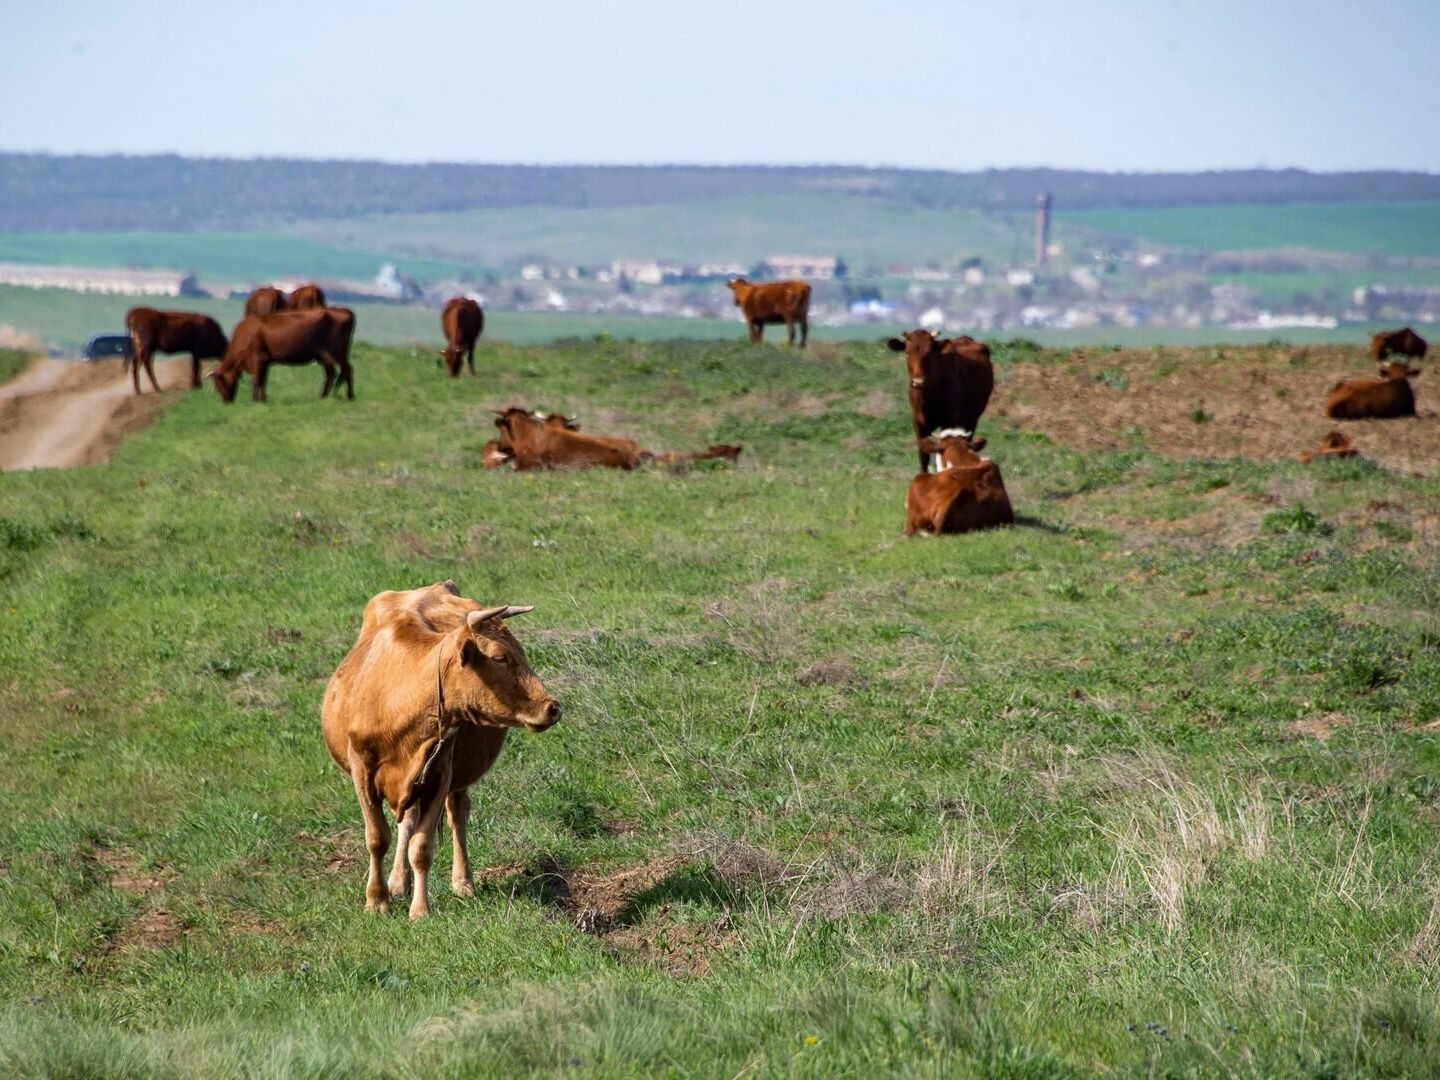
column 767, row 302
column 950, row 385
column 416, row 713
column 462, row 322
column 154, row 331
column 288, row 337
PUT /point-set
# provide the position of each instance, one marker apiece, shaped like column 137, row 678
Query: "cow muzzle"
column 548, row 718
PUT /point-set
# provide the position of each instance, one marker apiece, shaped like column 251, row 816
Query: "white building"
column 113, row 280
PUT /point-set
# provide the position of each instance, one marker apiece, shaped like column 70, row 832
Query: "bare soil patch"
column 62, row 413
column 1261, row 402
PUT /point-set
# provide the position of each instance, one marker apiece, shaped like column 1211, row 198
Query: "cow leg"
column 135, row 363
column 457, row 811
column 400, row 872
column 257, row 381
column 349, row 373
column 377, row 835
column 924, row 461
column 471, row 359
column 757, row 331
column 422, row 842
column 194, row 372
column 329, row 377
column 790, row 332
column 804, row 330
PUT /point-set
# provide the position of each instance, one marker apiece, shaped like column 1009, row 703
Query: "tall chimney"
column 1042, row 229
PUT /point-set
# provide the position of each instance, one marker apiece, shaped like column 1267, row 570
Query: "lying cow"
column 306, row 298
column 1368, row 397
column 1336, row 444
column 266, row 300
column 552, row 442
column 416, row 713
column 966, row 494
column 462, row 322
column 492, row 456
column 320, row 335
column 190, row 332
column 766, row 302
column 950, row 385
column 1397, row 343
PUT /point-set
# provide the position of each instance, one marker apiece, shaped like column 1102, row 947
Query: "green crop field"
column 1411, row 228
column 1143, row 785
column 230, row 256
column 865, row 231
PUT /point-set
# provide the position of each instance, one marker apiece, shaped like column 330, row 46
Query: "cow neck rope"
column 442, row 737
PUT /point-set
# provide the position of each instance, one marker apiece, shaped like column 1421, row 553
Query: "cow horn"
column 475, row 618
column 521, row 609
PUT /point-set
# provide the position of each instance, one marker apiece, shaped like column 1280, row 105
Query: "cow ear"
column 930, row 445
column 977, row 444
column 895, row 345
column 1414, row 373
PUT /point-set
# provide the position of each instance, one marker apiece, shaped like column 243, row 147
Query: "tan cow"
column 1335, row 444
column 462, row 322
column 966, row 494
column 552, row 442
column 416, row 713
column 1389, row 396
column 766, row 302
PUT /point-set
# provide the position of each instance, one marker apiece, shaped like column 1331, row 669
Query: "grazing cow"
column 966, row 494
column 306, row 298
column 1381, row 398
column 289, row 337
column 416, row 713
column 552, row 443
column 1397, row 343
column 950, row 384
column 266, row 300
column 1335, row 444
column 767, row 302
column 154, row 331
column 462, row 322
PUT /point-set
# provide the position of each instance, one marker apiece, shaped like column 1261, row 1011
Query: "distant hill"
column 41, row 192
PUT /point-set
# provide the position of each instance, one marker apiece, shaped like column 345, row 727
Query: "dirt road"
column 62, row 413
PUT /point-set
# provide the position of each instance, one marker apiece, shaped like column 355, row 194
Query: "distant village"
column 1123, row 285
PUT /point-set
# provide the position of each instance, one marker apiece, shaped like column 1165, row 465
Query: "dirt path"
column 62, row 413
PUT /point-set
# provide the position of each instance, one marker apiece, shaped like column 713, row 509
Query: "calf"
column 950, row 385
column 966, row 494
column 462, row 322
column 289, row 337
column 766, row 302
column 1334, row 444
column 1388, row 396
column 1397, row 343
column 552, row 442
column 154, row 331
column 416, row 713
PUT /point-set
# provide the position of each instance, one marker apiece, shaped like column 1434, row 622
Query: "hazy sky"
column 1153, row 84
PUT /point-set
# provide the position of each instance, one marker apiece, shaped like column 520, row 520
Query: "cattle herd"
column 419, row 709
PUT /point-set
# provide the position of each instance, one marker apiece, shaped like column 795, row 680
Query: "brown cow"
column 1397, row 343
column 1335, row 444
column 154, row 331
column 553, row 443
column 966, row 494
column 306, row 298
column 1390, row 395
column 950, row 385
column 767, row 302
column 289, row 337
column 462, row 322
column 266, row 300
column 416, row 713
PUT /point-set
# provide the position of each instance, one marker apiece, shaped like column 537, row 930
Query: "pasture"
column 1145, row 784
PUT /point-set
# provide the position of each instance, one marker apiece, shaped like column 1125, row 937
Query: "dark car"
column 104, row 346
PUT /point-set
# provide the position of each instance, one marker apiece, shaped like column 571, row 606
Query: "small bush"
column 1295, row 519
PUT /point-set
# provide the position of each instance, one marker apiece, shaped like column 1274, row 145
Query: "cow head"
column 740, row 287
column 451, row 354
column 1398, row 369
column 493, row 680
column 493, row 455
column 955, row 450
column 227, row 381
column 509, row 422
column 918, row 346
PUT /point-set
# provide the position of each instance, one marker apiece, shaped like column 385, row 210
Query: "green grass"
column 1407, row 228
column 866, row 231
column 1044, row 801
column 13, row 361
column 229, row 256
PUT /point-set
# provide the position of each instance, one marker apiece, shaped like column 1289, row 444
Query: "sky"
column 1151, row 85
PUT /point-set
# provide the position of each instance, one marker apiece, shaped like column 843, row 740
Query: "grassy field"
column 228, row 256
column 1145, row 784
column 1385, row 228
column 866, row 231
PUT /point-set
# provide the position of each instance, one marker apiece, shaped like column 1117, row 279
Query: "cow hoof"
column 399, row 886
column 378, row 907
column 419, row 913
column 463, row 888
